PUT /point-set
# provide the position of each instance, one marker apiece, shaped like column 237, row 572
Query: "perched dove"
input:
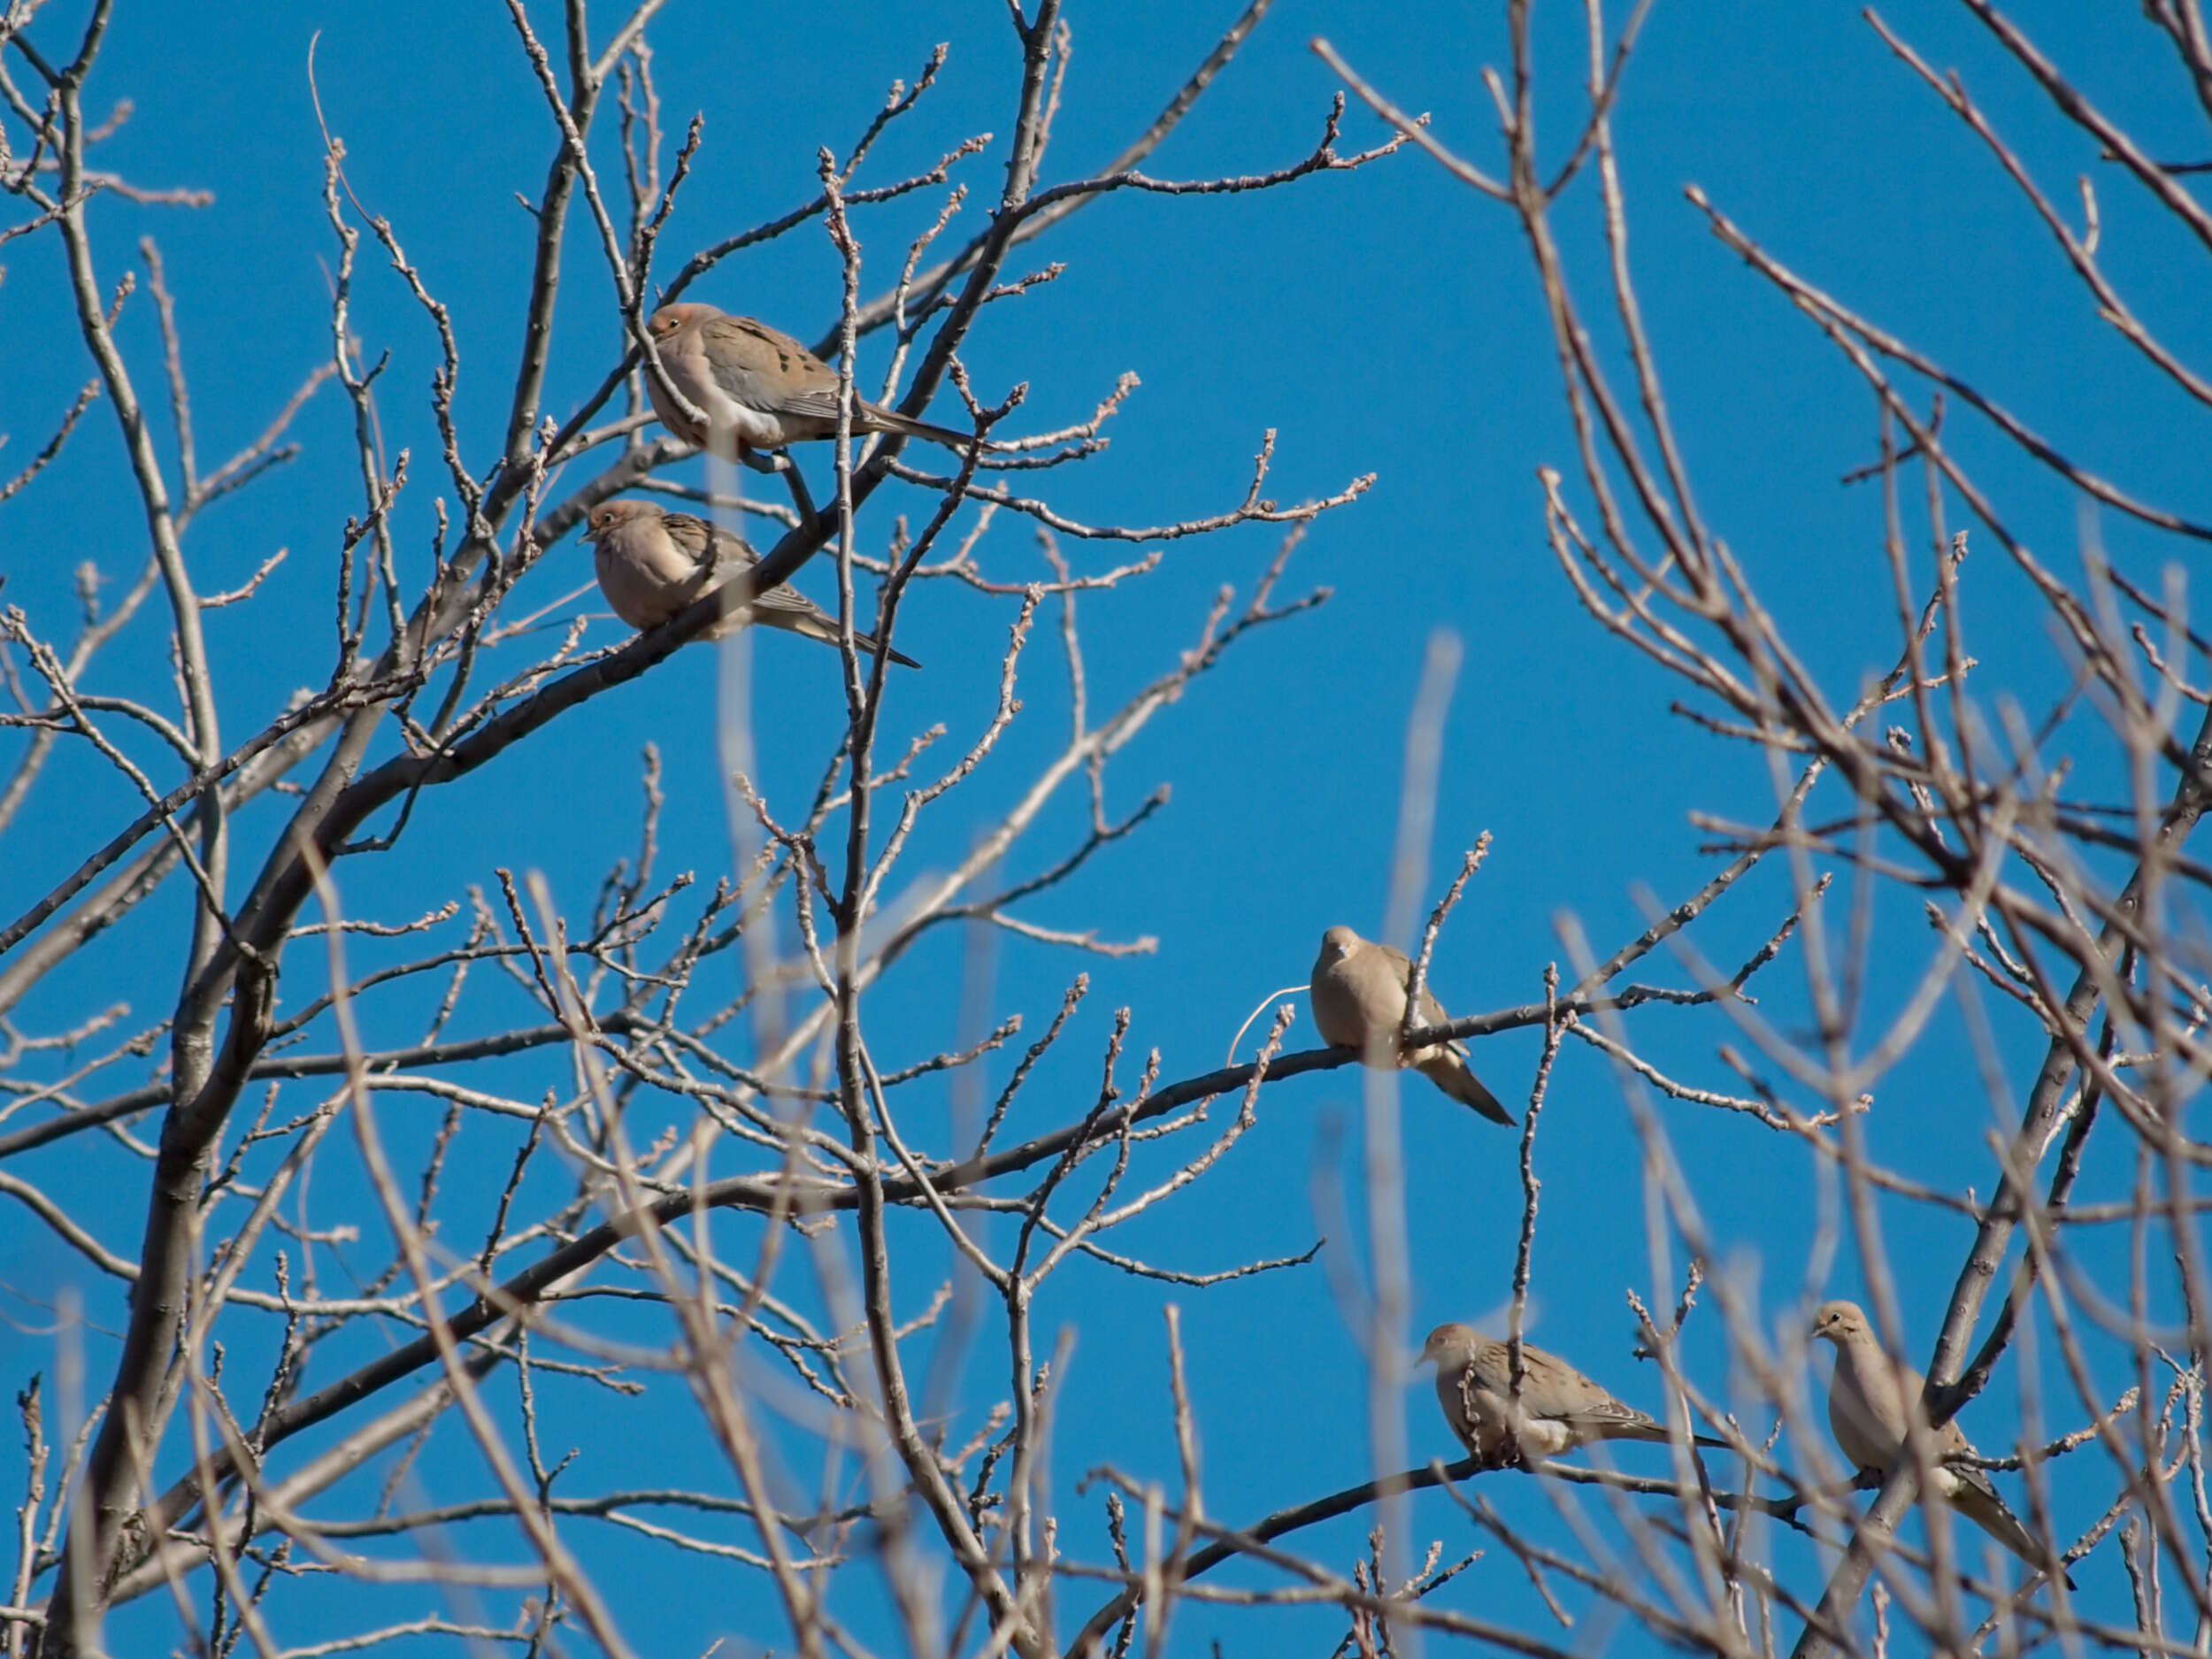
column 1359, row 1001
column 652, row 564
column 1560, row 1408
column 1868, row 1400
column 759, row 385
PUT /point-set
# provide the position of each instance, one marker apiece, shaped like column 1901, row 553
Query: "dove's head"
column 1338, row 943
column 612, row 515
column 1841, row 1322
column 1450, row 1345
column 669, row 319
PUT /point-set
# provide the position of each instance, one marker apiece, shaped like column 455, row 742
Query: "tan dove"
column 652, row 564
column 759, row 385
column 1560, row 1408
column 1868, row 1400
column 1359, row 1001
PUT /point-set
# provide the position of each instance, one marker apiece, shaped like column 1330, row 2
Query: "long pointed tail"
column 1644, row 1429
column 1974, row 1497
column 809, row 623
column 865, row 643
column 824, row 630
column 906, row 426
column 1451, row 1073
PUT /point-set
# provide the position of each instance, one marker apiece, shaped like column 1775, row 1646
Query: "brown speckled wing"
column 764, row 368
column 694, row 536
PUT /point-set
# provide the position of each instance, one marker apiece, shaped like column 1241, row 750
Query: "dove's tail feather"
column 1656, row 1432
column 906, row 426
column 1978, row 1502
column 1451, row 1073
column 808, row 625
column 1640, row 1428
column 864, row 642
column 1624, row 1429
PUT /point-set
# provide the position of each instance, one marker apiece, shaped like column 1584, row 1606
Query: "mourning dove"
column 759, row 385
column 1359, row 1001
column 1560, row 1408
column 652, row 564
column 1868, row 1400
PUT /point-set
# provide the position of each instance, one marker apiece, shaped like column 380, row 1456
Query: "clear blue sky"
column 1386, row 320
